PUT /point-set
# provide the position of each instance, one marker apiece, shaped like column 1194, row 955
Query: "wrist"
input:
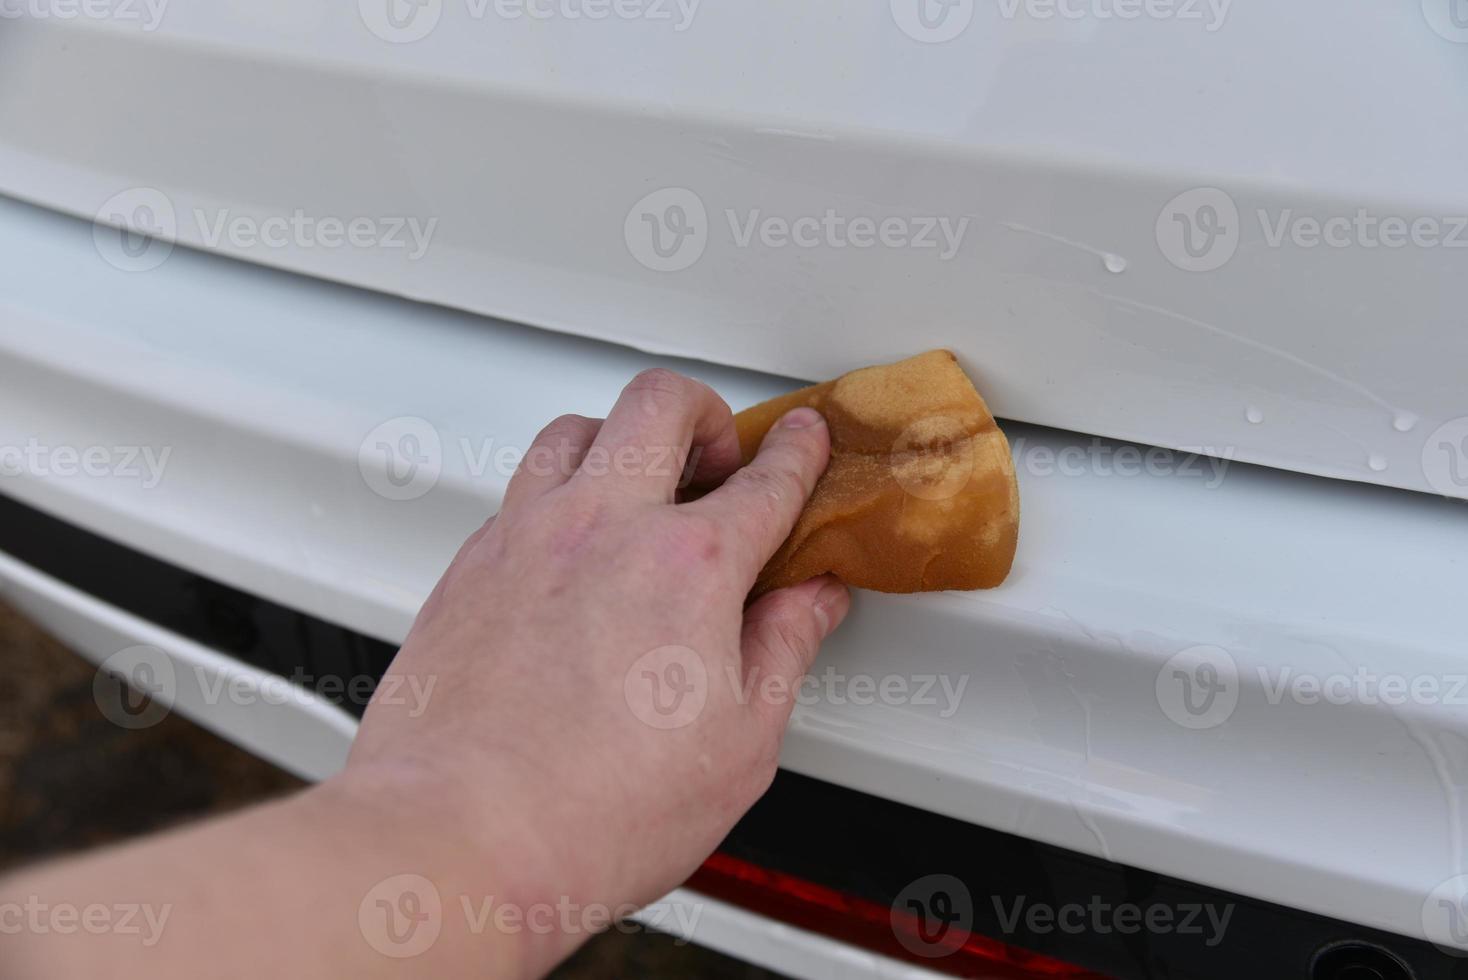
column 488, row 871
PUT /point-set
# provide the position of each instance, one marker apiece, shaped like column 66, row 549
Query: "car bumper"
column 271, row 397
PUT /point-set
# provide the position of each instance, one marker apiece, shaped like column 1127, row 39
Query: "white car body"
column 513, row 167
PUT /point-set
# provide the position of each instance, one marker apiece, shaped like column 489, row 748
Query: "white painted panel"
column 274, row 395
column 1300, row 145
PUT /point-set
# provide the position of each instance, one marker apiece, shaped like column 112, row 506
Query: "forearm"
column 307, row 886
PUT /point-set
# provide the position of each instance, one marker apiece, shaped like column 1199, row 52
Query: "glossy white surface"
column 773, row 945
column 265, row 388
column 1076, row 146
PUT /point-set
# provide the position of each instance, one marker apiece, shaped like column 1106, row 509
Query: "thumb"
column 760, row 503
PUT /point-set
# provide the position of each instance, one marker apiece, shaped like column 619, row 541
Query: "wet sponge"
column 920, row 493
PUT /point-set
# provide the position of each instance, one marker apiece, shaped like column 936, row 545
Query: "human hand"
column 605, row 707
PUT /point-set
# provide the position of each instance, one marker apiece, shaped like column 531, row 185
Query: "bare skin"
column 604, row 709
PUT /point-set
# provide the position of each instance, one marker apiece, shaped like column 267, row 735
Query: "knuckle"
column 775, row 484
column 553, row 450
column 789, row 644
column 661, row 385
column 784, row 646
column 564, row 427
column 471, row 544
column 692, row 541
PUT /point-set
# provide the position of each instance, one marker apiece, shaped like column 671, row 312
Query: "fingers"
column 660, row 418
column 552, row 458
column 759, row 503
column 783, row 631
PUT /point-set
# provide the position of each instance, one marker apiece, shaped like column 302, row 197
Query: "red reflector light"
column 892, row 932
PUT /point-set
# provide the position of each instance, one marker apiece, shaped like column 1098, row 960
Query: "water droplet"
column 1404, row 421
column 1254, row 415
column 1114, row 263
column 1377, row 462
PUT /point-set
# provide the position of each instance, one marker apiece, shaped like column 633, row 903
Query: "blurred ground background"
column 70, row 779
